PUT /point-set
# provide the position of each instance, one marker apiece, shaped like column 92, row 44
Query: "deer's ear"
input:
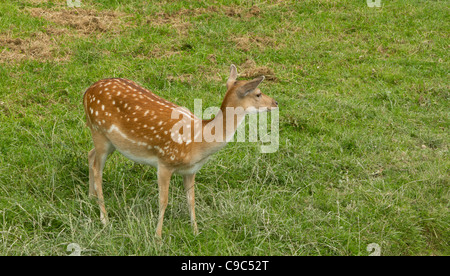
column 233, row 76
column 249, row 86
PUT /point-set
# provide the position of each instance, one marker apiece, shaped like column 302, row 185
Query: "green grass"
column 364, row 129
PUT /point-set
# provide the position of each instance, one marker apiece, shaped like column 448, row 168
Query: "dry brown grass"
column 179, row 20
column 84, row 21
column 248, row 42
column 251, row 70
column 39, row 46
column 71, row 23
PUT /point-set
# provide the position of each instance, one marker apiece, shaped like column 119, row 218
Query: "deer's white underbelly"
column 147, row 160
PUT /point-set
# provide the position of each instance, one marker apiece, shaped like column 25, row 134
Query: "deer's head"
column 246, row 94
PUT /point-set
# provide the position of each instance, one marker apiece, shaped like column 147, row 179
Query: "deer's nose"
column 275, row 102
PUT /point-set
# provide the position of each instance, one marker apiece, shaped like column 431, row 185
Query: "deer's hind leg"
column 188, row 181
column 91, row 158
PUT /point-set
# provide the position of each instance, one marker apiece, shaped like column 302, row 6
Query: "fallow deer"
column 126, row 117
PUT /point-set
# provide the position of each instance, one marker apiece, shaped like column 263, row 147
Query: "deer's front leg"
column 188, row 181
column 164, row 175
column 97, row 159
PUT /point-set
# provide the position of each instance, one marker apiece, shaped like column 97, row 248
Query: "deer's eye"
column 258, row 95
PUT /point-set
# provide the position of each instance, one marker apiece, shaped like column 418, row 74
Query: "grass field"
column 364, row 126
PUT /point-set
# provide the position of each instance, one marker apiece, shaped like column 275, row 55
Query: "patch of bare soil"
column 212, row 73
column 180, row 24
column 181, row 78
column 251, row 70
column 4, row 109
column 84, row 21
column 39, row 46
column 248, row 42
column 212, row 58
column 46, row 45
column 180, row 20
column 44, row 1
column 161, row 53
column 230, row 11
column 235, row 11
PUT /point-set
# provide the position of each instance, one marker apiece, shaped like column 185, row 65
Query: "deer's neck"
column 218, row 131
column 226, row 122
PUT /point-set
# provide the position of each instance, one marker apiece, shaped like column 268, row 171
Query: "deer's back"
column 136, row 121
